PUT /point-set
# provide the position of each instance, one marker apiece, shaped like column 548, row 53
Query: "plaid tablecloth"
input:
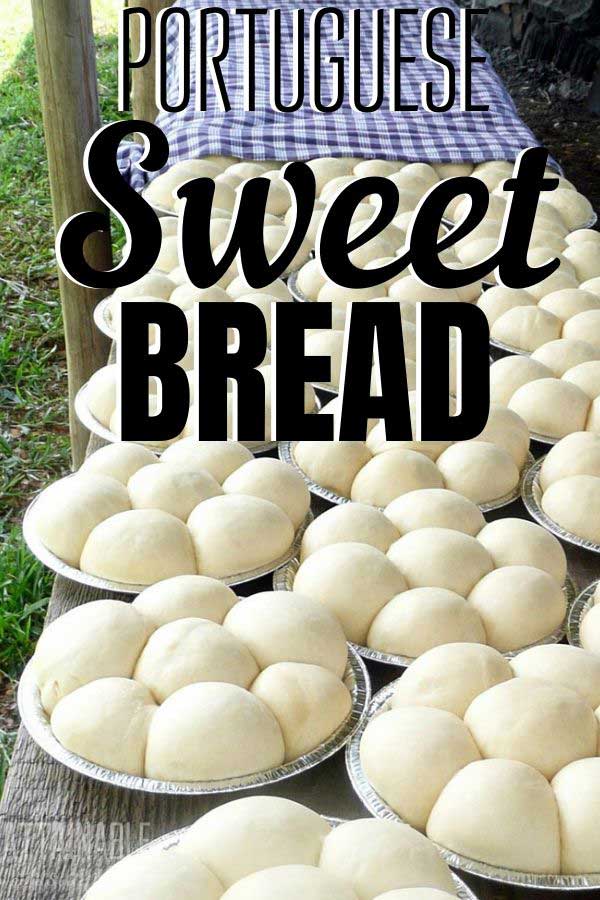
column 454, row 136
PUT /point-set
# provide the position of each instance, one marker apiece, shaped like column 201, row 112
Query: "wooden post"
column 144, row 79
column 68, row 87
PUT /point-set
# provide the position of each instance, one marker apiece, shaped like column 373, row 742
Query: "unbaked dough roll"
column 518, row 542
column 392, row 473
column 340, row 296
column 576, row 454
column 188, row 651
column 542, row 724
column 369, row 168
column 585, row 326
column 175, row 488
column 69, row 510
column 417, row 620
column 499, row 299
column 377, row 856
column 437, row 508
column 506, row 429
column 97, row 640
column 236, row 533
column 120, row 461
column 589, row 630
column 551, row 406
column 592, row 285
column 583, row 235
column 562, row 355
column 575, row 209
column 377, row 441
column 510, row 373
column 185, row 296
column 101, row 394
column 184, row 597
column 311, row 279
column 576, row 789
column 153, row 284
column 272, row 480
column 353, row 580
column 255, row 833
column 439, row 557
column 356, row 522
column 308, row 701
column 569, row 302
column 526, row 327
column 450, row 677
column 291, row 882
column 574, row 503
column 479, row 470
column 284, row 626
column 410, row 288
column 409, row 754
column 156, row 875
column 106, row 722
column 210, row 731
column 558, row 281
column 220, row 458
column 139, row 546
column 569, row 666
column 332, row 464
column 239, row 287
column 501, row 812
column 586, row 376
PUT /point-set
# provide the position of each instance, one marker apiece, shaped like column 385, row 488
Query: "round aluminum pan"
column 579, row 610
column 57, row 565
column 507, row 348
column 295, row 291
column 379, row 808
column 283, row 580
column 87, row 418
column 286, row 455
column 169, row 841
column 37, row 723
column 532, row 498
column 102, row 319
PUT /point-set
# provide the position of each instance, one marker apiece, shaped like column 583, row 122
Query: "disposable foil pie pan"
column 508, row 348
column 286, row 455
column 168, row 841
column 102, row 318
column 283, row 580
column 578, row 612
column 57, row 565
column 379, row 808
column 37, row 723
column 532, row 498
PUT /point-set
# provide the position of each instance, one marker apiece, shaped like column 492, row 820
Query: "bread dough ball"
column 68, row 511
column 285, row 626
column 156, row 875
column 308, row 701
column 502, row 812
column 499, row 299
column 172, row 487
column 340, row 296
column 586, row 376
column 192, row 650
column 409, row 754
column 327, row 343
column 153, row 284
column 377, row 856
column 576, row 454
column 574, row 504
column 439, row 557
column 332, row 464
column 377, row 168
column 583, row 236
column 352, row 580
column 544, row 725
column 253, row 834
column 518, row 542
column 106, row 722
column 569, row 666
column 97, row 640
column 326, row 168
column 578, row 800
column 393, row 473
column 551, row 406
column 377, row 442
column 291, row 882
column 585, row 326
column 452, row 170
column 310, row 279
column 450, row 677
column 101, row 394
column 562, row 355
column 506, row 429
column 187, row 295
column 220, row 458
column 589, row 630
column 410, row 288
column 119, row 461
column 422, row 618
column 209, row 731
column 569, row 302
column 356, row 522
column 510, row 373
column 575, row 209
column 225, row 530
column 592, row 285
column 275, row 481
column 184, row 597
column 526, row 327
column 479, row 470
column 437, row 508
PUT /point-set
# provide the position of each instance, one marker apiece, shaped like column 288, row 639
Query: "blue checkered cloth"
column 454, row 136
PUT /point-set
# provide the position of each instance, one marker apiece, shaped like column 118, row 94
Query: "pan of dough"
column 128, row 518
column 190, row 691
column 483, row 755
column 431, row 571
column 583, row 629
column 302, row 855
column 561, row 490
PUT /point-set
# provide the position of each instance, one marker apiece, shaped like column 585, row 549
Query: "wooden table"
column 59, row 831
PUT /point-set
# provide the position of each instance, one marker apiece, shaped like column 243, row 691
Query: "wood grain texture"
column 68, row 88
column 59, row 831
column 144, row 79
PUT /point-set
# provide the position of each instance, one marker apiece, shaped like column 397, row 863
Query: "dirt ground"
column 553, row 104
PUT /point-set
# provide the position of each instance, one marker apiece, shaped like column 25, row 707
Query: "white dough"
column 275, row 481
column 562, row 664
column 184, row 597
column 510, row 373
column 526, row 327
column 439, row 557
column 562, row 355
column 172, row 487
column 479, row 470
column 589, row 630
column 332, row 464
column 576, row 789
column 585, row 326
column 551, row 406
column 507, row 430
column 435, row 508
column 291, row 882
column 220, row 458
column 392, row 473
column 356, row 522
column 519, row 542
column 574, row 503
column 587, row 377
column 576, row 454
column 120, row 461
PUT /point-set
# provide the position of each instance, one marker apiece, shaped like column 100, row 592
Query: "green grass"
column 34, row 444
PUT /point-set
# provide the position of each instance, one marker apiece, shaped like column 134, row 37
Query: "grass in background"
column 34, row 442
